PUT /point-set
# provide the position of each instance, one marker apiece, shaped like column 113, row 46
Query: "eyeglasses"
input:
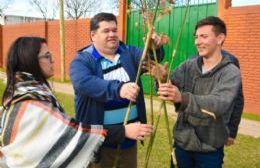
column 46, row 56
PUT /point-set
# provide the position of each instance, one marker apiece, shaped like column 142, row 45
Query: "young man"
column 103, row 76
column 203, row 90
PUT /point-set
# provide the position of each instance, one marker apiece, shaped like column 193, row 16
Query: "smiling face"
column 207, row 42
column 105, row 38
column 45, row 61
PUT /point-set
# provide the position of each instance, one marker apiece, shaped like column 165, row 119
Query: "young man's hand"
column 230, row 141
column 169, row 92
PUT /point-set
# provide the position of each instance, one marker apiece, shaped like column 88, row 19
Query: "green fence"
column 170, row 25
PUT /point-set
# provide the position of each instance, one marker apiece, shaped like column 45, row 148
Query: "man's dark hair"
column 218, row 25
column 23, row 57
column 94, row 22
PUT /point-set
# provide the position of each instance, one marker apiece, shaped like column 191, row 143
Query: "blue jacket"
column 92, row 91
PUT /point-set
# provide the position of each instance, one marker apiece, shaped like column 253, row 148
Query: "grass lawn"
column 244, row 154
column 2, row 87
column 251, row 116
column 67, row 102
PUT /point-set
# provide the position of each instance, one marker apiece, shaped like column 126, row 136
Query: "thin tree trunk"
column 62, row 42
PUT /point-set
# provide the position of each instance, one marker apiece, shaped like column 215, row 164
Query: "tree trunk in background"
column 62, row 42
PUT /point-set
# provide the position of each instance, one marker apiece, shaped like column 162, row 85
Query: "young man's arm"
column 239, row 102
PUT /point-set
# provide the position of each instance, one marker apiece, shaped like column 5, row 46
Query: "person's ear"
column 221, row 38
column 92, row 36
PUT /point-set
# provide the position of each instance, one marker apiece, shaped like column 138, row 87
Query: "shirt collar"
column 98, row 56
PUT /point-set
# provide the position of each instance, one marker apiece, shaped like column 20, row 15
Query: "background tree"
column 76, row 9
column 114, row 4
column 3, row 5
column 47, row 8
column 62, row 40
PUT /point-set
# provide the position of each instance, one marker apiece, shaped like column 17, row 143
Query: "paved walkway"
column 246, row 127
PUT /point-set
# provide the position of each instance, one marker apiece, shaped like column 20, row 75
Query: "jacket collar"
column 93, row 51
column 225, row 61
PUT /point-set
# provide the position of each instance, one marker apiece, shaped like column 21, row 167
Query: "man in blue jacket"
column 103, row 76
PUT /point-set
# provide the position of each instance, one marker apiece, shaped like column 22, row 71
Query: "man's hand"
column 158, row 73
column 129, row 91
column 138, row 131
column 157, row 41
column 230, row 141
column 169, row 92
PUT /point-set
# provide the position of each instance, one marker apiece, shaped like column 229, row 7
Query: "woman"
column 35, row 131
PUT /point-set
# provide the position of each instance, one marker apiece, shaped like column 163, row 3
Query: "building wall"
column 12, row 19
column 77, row 35
column 2, row 20
column 11, row 32
column 243, row 40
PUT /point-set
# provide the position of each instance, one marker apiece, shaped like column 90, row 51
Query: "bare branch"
column 4, row 5
column 115, row 4
column 45, row 10
column 76, row 9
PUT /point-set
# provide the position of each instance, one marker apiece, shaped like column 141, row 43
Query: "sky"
column 245, row 2
column 17, row 8
column 23, row 7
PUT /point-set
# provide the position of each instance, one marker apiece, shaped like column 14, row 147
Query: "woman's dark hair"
column 23, row 57
column 94, row 22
